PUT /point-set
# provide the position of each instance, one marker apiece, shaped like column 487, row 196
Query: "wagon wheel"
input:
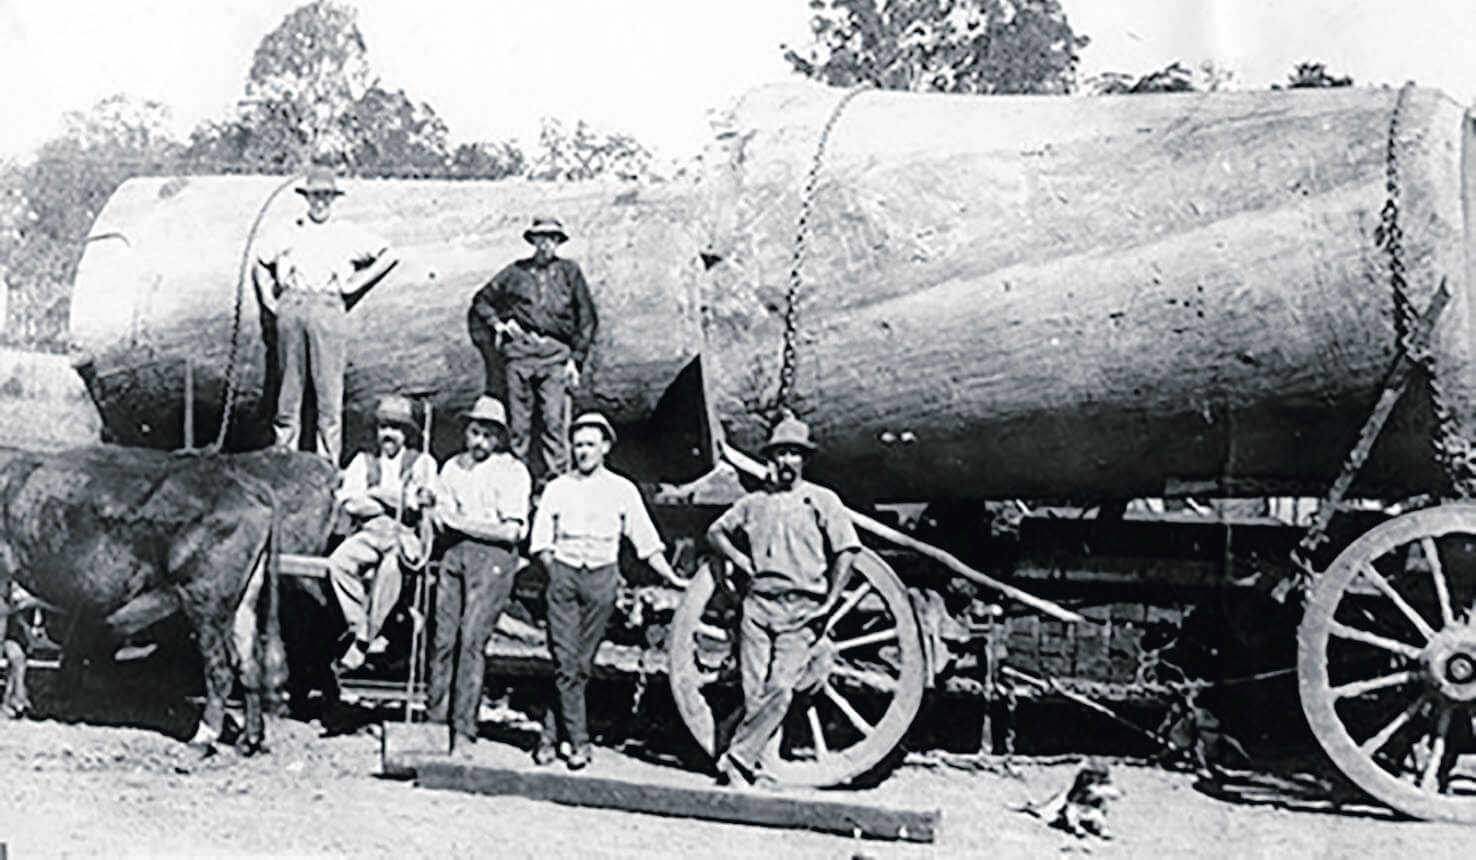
column 1387, row 662
column 868, row 678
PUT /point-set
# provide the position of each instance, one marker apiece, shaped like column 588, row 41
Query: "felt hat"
column 319, row 181
column 546, row 227
column 487, row 409
column 395, row 409
column 790, row 432
column 594, row 419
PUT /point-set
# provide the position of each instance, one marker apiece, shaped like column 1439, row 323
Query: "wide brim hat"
column 790, row 433
column 319, row 180
column 397, row 410
column 487, row 409
column 546, row 227
column 594, row 419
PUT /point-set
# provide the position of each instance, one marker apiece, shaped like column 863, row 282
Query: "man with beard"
column 307, row 276
column 801, row 545
column 383, row 491
column 576, row 537
column 482, row 509
column 535, row 320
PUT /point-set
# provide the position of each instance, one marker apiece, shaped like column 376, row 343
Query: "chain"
column 228, row 404
column 801, row 250
column 1451, row 449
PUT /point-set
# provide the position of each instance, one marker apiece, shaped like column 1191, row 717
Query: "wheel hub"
column 1450, row 665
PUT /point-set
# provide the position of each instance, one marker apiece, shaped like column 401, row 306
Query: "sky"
column 651, row 68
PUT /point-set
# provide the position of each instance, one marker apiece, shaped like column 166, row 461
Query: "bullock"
column 122, row 538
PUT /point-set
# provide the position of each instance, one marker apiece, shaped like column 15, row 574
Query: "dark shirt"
column 552, row 300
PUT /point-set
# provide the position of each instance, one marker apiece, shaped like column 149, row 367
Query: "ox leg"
column 16, row 702
column 244, row 636
column 148, row 608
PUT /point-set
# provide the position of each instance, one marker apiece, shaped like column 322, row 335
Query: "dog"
column 1081, row 809
column 1193, row 731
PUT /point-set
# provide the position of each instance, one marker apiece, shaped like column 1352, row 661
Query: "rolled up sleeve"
column 639, row 529
column 839, row 530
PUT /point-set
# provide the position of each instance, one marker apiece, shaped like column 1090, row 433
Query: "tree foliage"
column 1311, row 75
column 954, row 46
column 580, row 153
column 51, row 202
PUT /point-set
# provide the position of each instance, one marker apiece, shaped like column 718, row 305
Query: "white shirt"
column 581, row 518
column 356, row 476
column 319, row 258
column 495, row 489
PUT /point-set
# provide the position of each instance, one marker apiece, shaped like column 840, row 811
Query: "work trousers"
column 579, row 602
column 365, row 574
column 532, row 384
column 312, row 344
column 475, row 583
column 773, row 653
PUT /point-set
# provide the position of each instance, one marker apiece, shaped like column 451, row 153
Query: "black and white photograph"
column 843, row 429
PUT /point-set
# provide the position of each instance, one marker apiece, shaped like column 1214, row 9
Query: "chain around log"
column 1451, row 449
column 790, row 358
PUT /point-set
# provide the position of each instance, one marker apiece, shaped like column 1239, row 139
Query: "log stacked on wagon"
column 1004, row 297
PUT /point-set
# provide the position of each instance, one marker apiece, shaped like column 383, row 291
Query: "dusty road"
column 85, row 790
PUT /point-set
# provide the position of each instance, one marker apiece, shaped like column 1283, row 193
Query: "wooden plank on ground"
column 404, row 747
column 767, row 809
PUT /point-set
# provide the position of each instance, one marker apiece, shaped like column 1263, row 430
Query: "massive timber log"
column 1002, row 296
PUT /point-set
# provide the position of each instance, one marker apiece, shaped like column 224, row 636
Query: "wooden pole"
column 754, row 468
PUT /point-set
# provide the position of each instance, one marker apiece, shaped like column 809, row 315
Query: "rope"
column 228, row 405
column 801, row 250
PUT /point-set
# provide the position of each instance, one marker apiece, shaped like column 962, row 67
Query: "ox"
column 122, row 538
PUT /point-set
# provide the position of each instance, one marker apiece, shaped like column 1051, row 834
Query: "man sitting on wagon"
column 801, row 545
column 382, row 492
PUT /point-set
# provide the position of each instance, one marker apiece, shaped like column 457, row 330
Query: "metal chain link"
column 790, row 358
column 228, row 403
column 1452, row 451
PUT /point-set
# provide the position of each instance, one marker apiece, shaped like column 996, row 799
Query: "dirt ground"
column 84, row 790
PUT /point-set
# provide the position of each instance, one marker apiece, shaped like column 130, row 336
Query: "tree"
column 487, row 161
column 1313, row 76
column 583, row 153
column 50, row 204
column 955, row 46
column 390, row 135
column 1173, row 78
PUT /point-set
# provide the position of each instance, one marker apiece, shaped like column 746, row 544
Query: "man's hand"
column 425, row 497
column 362, row 507
column 820, row 614
column 571, row 374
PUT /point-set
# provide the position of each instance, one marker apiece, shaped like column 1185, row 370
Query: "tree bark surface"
column 1003, row 297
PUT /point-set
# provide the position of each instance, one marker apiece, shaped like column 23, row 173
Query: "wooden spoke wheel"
column 1387, row 662
column 859, row 695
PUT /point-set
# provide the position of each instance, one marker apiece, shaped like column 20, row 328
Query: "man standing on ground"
column 801, row 546
column 382, row 492
column 306, row 278
column 482, row 506
column 576, row 536
column 535, row 321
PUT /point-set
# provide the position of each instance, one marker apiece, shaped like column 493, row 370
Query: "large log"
column 1003, row 296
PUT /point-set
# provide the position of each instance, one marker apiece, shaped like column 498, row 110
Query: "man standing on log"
column 801, row 545
column 307, row 277
column 382, row 491
column 536, row 321
column 576, row 536
column 482, row 506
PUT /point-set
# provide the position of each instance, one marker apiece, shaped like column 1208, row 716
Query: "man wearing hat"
column 576, row 536
column 482, row 511
column 534, row 323
column 307, row 275
column 801, row 545
column 382, row 492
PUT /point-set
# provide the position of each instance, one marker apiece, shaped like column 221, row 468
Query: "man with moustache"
column 482, row 511
column 536, row 321
column 382, row 492
column 576, row 537
column 801, row 546
column 307, row 276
